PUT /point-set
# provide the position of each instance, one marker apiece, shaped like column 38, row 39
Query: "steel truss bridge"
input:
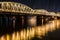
column 19, row 17
column 21, row 8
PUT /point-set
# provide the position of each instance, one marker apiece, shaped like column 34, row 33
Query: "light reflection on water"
column 30, row 33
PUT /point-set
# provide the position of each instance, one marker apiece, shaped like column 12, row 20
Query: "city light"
column 30, row 33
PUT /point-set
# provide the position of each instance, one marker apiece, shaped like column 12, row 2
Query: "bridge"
column 21, row 8
column 18, row 19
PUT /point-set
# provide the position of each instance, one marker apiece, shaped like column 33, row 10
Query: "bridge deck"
column 23, row 9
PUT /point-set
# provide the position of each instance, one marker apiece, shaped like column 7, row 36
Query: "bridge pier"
column 24, row 21
column 32, row 20
column 41, row 19
column 19, row 22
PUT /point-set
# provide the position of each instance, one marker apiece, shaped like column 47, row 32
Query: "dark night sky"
column 50, row 5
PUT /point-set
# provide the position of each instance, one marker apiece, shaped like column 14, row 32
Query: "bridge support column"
column 22, row 20
column 14, row 19
column 41, row 20
column 32, row 21
column 17, row 22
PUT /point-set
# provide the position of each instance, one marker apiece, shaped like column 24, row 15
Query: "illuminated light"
column 47, row 19
column 3, row 38
column 31, row 33
column 32, row 20
column 15, row 7
column 17, row 36
column 52, row 16
column 55, row 23
column 0, row 38
column 52, row 13
column 28, row 33
column 43, row 30
column 58, row 24
column 40, row 11
column 42, row 20
column 22, row 35
column 39, row 32
column 52, row 26
column 13, row 36
column 21, row 8
column 7, row 37
column 47, row 28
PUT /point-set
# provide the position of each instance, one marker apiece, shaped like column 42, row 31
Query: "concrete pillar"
column 32, row 20
column 14, row 19
column 22, row 20
column 42, row 20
